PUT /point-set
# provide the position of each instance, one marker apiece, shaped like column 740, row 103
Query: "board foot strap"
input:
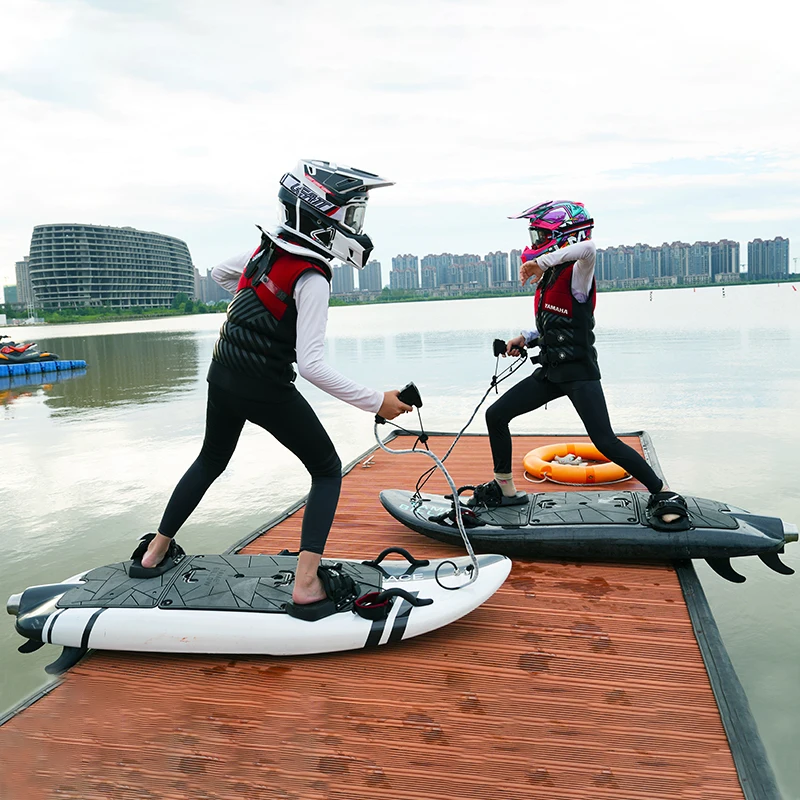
column 377, row 605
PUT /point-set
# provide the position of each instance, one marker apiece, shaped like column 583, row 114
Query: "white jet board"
column 236, row 604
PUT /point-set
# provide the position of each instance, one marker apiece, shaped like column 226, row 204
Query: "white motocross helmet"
column 322, row 205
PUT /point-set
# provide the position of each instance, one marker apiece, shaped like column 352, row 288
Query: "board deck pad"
column 619, row 508
column 586, row 508
column 503, row 517
column 206, row 583
column 583, row 508
column 110, row 587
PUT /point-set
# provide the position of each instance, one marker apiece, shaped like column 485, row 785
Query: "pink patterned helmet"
column 555, row 224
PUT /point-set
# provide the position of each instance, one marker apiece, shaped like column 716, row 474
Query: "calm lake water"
column 713, row 375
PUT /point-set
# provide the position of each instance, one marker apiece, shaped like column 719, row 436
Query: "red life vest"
column 275, row 289
column 559, row 298
column 566, row 337
column 256, row 347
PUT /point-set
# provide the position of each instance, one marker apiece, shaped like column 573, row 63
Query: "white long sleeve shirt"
column 311, row 294
column 584, row 254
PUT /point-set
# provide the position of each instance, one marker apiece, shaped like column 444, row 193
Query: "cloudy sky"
column 676, row 120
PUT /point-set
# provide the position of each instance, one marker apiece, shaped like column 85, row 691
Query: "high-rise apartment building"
column 462, row 270
column 615, row 263
column 343, row 281
column 497, row 262
column 514, row 263
column 675, row 259
column 438, row 268
column 768, row 259
column 24, row 288
column 75, row 265
column 428, row 274
column 207, row 290
column 645, row 261
column 477, row 274
column 370, row 279
column 601, row 268
column 700, row 259
column 725, row 258
column 405, row 272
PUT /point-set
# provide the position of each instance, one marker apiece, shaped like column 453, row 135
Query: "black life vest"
column 256, row 347
column 566, row 338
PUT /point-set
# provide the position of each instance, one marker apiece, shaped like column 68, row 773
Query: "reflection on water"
column 89, row 462
column 30, row 385
column 126, row 369
column 408, row 346
column 373, row 349
column 476, row 345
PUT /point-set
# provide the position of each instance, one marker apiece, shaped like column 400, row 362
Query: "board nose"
column 12, row 606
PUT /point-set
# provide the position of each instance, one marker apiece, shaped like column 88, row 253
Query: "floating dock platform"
column 35, row 367
column 574, row 682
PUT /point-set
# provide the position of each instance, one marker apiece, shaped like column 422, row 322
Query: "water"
column 89, row 461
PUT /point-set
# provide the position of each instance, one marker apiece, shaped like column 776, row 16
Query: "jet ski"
column 12, row 352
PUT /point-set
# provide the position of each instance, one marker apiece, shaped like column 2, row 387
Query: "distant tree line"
column 181, row 304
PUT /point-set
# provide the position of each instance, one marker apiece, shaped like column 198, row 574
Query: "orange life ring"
column 539, row 462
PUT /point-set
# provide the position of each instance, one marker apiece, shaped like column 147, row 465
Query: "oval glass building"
column 95, row 265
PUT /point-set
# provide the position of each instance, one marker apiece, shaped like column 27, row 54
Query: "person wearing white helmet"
column 278, row 317
column 561, row 261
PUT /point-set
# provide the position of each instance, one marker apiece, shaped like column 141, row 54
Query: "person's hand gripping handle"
column 396, row 402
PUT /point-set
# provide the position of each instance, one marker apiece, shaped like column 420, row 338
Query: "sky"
column 670, row 121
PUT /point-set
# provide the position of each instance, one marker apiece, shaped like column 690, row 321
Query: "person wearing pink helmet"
column 561, row 262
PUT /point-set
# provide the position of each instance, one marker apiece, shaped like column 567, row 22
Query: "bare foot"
column 308, row 587
column 668, row 517
column 308, row 593
column 156, row 551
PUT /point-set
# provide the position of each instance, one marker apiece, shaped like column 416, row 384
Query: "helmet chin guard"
column 324, row 205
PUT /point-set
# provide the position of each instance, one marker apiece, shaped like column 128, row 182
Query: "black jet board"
column 600, row 526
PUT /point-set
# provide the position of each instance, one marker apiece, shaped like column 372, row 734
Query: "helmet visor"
column 539, row 237
column 354, row 216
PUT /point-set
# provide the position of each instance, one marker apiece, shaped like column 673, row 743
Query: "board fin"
column 69, row 657
column 30, row 646
column 773, row 561
column 723, row 568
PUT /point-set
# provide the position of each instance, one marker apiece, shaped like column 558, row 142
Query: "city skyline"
column 386, row 270
column 618, row 263
column 408, row 271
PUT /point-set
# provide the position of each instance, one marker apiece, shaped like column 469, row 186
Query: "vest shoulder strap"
column 262, row 261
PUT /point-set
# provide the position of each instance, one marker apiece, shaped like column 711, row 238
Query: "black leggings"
column 588, row 399
column 294, row 424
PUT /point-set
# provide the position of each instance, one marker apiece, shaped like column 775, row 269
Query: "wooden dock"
column 582, row 681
